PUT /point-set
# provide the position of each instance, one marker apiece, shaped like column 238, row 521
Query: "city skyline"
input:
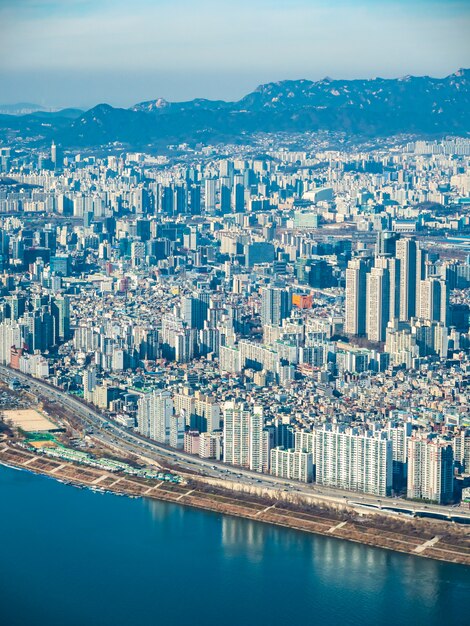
column 65, row 54
column 235, row 289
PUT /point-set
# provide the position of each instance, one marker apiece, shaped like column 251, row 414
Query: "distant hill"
column 20, row 108
column 376, row 107
column 61, row 113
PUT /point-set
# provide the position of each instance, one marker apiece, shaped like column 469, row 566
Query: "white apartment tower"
column 154, row 412
column 430, row 469
column 243, row 435
column 355, row 322
column 354, row 459
column 378, row 303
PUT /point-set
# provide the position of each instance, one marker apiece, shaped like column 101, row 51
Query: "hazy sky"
column 81, row 52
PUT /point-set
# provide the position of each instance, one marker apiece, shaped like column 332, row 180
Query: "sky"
column 60, row 53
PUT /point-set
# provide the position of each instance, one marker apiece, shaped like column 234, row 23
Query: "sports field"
column 29, row 420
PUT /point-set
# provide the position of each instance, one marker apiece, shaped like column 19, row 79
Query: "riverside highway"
column 119, row 437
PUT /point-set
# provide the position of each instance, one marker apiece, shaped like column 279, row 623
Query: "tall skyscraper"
column 61, row 312
column 421, row 274
column 406, row 253
column 275, row 305
column 387, row 242
column 56, row 156
column 378, row 302
column 225, row 195
column 433, row 305
column 210, row 187
column 238, row 194
column 356, row 285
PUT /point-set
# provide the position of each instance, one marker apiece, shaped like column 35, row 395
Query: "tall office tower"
column 378, row 301
column 210, row 187
column 406, row 253
column 40, row 323
column 15, row 306
column 275, row 305
column 142, row 229
column 243, row 438
column 434, row 302
column 195, row 199
column 356, row 285
column 154, row 412
column 354, row 459
column 238, row 194
column 430, row 469
column 56, row 155
column 387, row 242
column 166, row 200
column 60, row 308
column 180, row 201
column 225, row 195
column 194, row 309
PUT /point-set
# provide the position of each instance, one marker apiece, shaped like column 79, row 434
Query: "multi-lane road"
column 126, row 440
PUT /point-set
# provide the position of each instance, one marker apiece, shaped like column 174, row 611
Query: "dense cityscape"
column 298, row 311
column 234, row 312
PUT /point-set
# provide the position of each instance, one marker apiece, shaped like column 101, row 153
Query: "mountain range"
column 366, row 108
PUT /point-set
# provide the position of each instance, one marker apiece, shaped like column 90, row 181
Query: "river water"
column 73, row 557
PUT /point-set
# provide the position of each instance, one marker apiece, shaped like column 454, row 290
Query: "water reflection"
column 163, row 558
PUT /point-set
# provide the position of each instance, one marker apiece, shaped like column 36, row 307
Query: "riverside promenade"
column 426, row 538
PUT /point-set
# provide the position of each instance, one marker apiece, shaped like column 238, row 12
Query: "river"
column 73, row 557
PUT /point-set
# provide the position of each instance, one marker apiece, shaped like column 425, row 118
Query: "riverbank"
column 424, row 538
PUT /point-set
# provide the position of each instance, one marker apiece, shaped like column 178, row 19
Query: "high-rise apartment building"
column 356, row 285
column 292, row 464
column 275, row 305
column 378, row 302
column 154, row 412
column 406, row 253
column 243, row 438
column 351, row 458
column 433, row 305
column 430, row 469
column 210, row 188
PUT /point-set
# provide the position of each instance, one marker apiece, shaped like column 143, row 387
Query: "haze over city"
column 80, row 53
column 234, row 292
